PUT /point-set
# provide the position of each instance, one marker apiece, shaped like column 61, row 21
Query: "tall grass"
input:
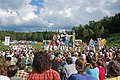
column 114, row 40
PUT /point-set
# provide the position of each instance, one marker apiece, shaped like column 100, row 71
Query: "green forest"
column 107, row 27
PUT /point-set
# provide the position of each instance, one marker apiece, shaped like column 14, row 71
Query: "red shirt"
column 46, row 75
column 101, row 73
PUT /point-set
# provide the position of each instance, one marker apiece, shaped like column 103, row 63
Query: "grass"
column 38, row 45
column 3, row 47
column 114, row 40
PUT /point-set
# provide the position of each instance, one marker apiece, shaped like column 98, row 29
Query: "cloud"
column 13, row 4
column 38, row 15
column 90, row 9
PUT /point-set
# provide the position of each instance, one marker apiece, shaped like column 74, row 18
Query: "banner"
column 84, row 46
column 91, row 42
column 7, row 40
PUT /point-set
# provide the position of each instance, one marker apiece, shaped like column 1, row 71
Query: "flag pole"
column 73, row 39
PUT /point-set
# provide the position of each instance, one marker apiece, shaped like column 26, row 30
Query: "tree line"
column 31, row 36
column 94, row 29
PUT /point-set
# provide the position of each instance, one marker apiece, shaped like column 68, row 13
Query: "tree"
column 85, row 32
column 98, row 29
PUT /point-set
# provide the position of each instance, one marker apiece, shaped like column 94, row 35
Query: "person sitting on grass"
column 69, row 68
column 42, row 67
column 21, row 73
column 82, row 74
column 113, row 69
column 2, row 74
column 12, row 70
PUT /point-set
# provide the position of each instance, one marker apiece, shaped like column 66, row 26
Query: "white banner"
column 7, row 40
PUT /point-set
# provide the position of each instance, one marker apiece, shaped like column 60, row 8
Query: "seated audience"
column 21, row 73
column 69, row 68
column 101, row 70
column 113, row 69
column 82, row 74
column 42, row 68
column 12, row 70
column 93, row 71
column 2, row 74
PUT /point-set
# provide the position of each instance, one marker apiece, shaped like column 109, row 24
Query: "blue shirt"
column 93, row 72
column 81, row 77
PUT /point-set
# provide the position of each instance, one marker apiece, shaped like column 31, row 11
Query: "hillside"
column 114, row 40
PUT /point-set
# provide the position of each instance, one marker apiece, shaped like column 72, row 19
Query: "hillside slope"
column 114, row 40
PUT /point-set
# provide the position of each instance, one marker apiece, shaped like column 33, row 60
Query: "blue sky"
column 42, row 15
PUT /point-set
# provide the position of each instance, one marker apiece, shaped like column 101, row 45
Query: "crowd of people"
column 22, row 62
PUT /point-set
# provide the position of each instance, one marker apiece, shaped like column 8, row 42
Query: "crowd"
column 22, row 62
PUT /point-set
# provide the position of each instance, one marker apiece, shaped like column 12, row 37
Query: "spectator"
column 113, row 69
column 12, row 70
column 88, row 57
column 42, row 68
column 93, row 71
column 82, row 74
column 21, row 73
column 101, row 70
column 2, row 74
column 74, row 57
column 70, row 68
column 56, row 64
column 117, row 58
column 3, row 65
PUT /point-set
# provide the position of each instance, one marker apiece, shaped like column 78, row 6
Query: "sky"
column 52, row 15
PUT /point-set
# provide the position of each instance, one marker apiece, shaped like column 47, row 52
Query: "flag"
column 51, row 43
column 91, row 42
column 43, row 40
column 73, row 39
column 99, row 41
column 103, row 41
column 85, row 46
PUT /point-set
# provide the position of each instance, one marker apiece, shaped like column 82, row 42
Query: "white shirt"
column 70, row 69
column 4, row 77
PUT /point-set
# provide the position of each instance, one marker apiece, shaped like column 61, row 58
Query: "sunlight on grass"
column 38, row 45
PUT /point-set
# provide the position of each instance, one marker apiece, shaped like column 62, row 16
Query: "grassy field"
column 38, row 45
column 114, row 40
column 3, row 47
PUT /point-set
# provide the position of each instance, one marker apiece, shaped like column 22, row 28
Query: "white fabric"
column 4, row 77
column 70, row 69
